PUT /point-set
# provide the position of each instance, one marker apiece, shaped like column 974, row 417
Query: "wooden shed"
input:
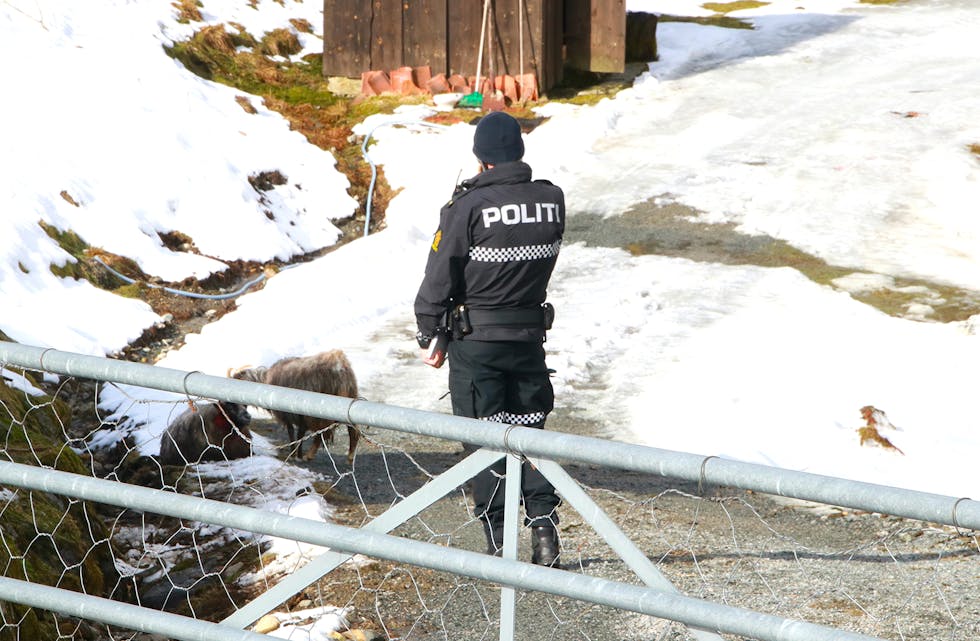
column 365, row 35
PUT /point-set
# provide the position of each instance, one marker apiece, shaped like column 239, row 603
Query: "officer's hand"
column 434, row 350
column 427, row 326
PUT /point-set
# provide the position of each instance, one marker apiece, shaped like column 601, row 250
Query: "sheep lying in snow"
column 207, row 432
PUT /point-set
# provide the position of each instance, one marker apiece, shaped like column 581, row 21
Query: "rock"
column 266, row 624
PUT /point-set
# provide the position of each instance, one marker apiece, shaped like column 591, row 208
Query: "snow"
column 838, row 127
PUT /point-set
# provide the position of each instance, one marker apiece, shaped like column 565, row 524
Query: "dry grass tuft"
column 177, row 241
column 188, row 11
column 68, row 199
column 975, row 148
column 267, row 180
column 246, row 104
column 216, row 38
column 875, row 418
column 280, row 42
column 301, row 24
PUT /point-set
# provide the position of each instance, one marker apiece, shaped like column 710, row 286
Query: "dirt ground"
column 883, row 576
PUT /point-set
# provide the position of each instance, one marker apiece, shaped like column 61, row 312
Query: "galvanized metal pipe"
column 385, row 522
column 605, row 527
column 934, row 508
column 125, row 615
column 690, row 611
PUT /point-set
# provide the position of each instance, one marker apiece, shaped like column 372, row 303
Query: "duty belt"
column 527, row 317
column 465, row 318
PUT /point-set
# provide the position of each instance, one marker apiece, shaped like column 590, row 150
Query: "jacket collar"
column 507, row 173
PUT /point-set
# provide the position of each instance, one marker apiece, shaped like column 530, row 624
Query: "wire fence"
column 853, row 569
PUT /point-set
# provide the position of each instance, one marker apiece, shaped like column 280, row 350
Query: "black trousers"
column 507, row 382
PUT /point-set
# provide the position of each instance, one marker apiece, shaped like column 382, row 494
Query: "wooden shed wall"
column 595, row 35
column 363, row 35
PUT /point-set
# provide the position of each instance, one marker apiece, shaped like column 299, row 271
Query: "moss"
column 33, row 429
column 361, row 109
column 24, row 623
column 727, row 7
column 579, row 87
column 132, row 290
column 83, row 267
column 717, row 20
column 317, row 96
column 76, row 247
column 68, row 270
column 47, row 539
column 67, row 240
column 587, row 98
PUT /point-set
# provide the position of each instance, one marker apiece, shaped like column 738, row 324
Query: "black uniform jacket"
column 496, row 246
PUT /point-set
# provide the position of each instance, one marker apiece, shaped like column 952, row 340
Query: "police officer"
column 487, row 277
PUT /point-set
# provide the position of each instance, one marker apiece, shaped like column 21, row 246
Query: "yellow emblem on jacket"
column 435, row 241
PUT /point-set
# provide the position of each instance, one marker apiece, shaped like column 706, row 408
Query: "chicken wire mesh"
column 879, row 575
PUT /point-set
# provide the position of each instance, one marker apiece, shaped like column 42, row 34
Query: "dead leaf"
column 870, row 433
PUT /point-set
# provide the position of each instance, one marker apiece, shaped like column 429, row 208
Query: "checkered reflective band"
column 517, row 419
column 508, row 254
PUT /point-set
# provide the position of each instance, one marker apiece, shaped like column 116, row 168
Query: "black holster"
column 548, row 315
column 461, row 325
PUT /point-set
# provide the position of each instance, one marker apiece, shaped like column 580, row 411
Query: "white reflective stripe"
column 516, row 419
column 507, row 254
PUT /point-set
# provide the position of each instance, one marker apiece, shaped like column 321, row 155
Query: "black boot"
column 495, row 537
column 545, row 549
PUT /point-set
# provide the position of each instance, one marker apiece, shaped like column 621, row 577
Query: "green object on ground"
column 474, row 99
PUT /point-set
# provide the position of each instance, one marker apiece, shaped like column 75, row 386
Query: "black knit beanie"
column 498, row 139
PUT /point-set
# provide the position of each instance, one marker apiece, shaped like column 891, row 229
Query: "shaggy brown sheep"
column 326, row 373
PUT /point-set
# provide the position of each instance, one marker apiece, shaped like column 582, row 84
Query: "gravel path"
column 882, row 576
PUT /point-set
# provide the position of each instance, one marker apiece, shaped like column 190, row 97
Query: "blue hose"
column 241, row 290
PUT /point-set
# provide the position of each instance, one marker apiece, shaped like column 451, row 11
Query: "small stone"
column 233, row 569
column 266, row 624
